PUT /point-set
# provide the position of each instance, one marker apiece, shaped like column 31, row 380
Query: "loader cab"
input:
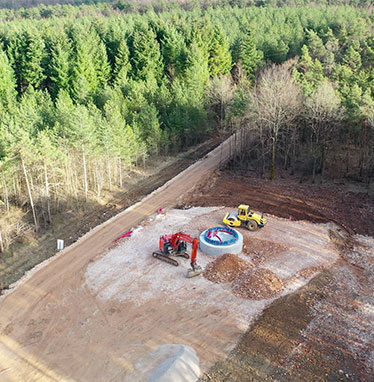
column 244, row 212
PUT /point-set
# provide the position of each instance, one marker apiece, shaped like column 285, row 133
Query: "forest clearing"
column 125, row 121
column 116, row 313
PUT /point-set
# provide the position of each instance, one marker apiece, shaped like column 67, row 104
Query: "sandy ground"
column 105, row 322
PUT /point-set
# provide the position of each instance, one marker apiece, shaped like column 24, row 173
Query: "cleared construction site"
column 293, row 303
column 207, row 313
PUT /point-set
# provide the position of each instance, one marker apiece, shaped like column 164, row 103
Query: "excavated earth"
column 296, row 305
column 226, row 268
column 348, row 206
column 323, row 331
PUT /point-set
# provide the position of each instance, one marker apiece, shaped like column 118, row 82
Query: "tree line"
column 316, row 111
column 83, row 99
column 42, row 9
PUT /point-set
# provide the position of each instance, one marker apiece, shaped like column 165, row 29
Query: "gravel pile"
column 257, row 285
column 226, row 268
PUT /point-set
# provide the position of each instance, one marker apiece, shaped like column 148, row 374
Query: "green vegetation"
column 88, row 92
column 43, row 8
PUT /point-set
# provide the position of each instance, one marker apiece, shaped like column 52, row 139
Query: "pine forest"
column 89, row 92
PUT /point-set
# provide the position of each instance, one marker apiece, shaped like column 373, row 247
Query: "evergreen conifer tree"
column 7, row 83
column 122, row 64
column 220, row 61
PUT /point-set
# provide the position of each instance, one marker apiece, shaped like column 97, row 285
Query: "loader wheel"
column 252, row 225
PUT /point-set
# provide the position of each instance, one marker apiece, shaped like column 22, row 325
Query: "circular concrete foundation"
column 217, row 241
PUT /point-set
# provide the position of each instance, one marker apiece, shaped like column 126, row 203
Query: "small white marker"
column 60, row 244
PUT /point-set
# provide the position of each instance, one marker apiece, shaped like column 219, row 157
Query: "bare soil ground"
column 98, row 311
column 322, row 332
column 288, row 198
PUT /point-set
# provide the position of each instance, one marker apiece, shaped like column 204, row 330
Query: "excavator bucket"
column 194, row 272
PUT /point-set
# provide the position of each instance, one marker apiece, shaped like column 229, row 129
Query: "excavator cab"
column 165, row 245
column 167, row 248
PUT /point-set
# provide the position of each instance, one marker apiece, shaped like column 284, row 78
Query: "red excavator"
column 176, row 245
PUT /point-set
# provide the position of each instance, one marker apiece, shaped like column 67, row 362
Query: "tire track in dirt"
column 259, row 354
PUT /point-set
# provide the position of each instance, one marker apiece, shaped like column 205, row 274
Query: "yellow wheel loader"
column 245, row 217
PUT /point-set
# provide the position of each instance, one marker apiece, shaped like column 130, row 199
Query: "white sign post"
column 60, row 245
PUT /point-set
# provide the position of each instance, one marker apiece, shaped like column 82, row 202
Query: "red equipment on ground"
column 127, row 234
column 176, row 245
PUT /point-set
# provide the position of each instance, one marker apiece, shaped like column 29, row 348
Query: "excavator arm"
column 181, row 236
column 195, row 270
column 195, row 247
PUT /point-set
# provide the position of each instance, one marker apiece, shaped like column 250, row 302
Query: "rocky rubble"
column 257, row 284
column 226, row 268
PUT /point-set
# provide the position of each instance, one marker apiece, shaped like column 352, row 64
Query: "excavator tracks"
column 168, row 258
column 165, row 258
column 183, row 254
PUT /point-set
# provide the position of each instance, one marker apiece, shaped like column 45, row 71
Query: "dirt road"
column 63, row 278
column 73, row 224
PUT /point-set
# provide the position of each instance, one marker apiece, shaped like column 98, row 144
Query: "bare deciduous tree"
column 274, row 104
column 221, row 93
column 323, row 112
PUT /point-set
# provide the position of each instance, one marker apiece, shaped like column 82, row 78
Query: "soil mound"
column 257, row 285
column 226, row 268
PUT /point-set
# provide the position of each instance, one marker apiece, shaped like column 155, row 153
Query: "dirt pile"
column 257, row 285
column 226, row 268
